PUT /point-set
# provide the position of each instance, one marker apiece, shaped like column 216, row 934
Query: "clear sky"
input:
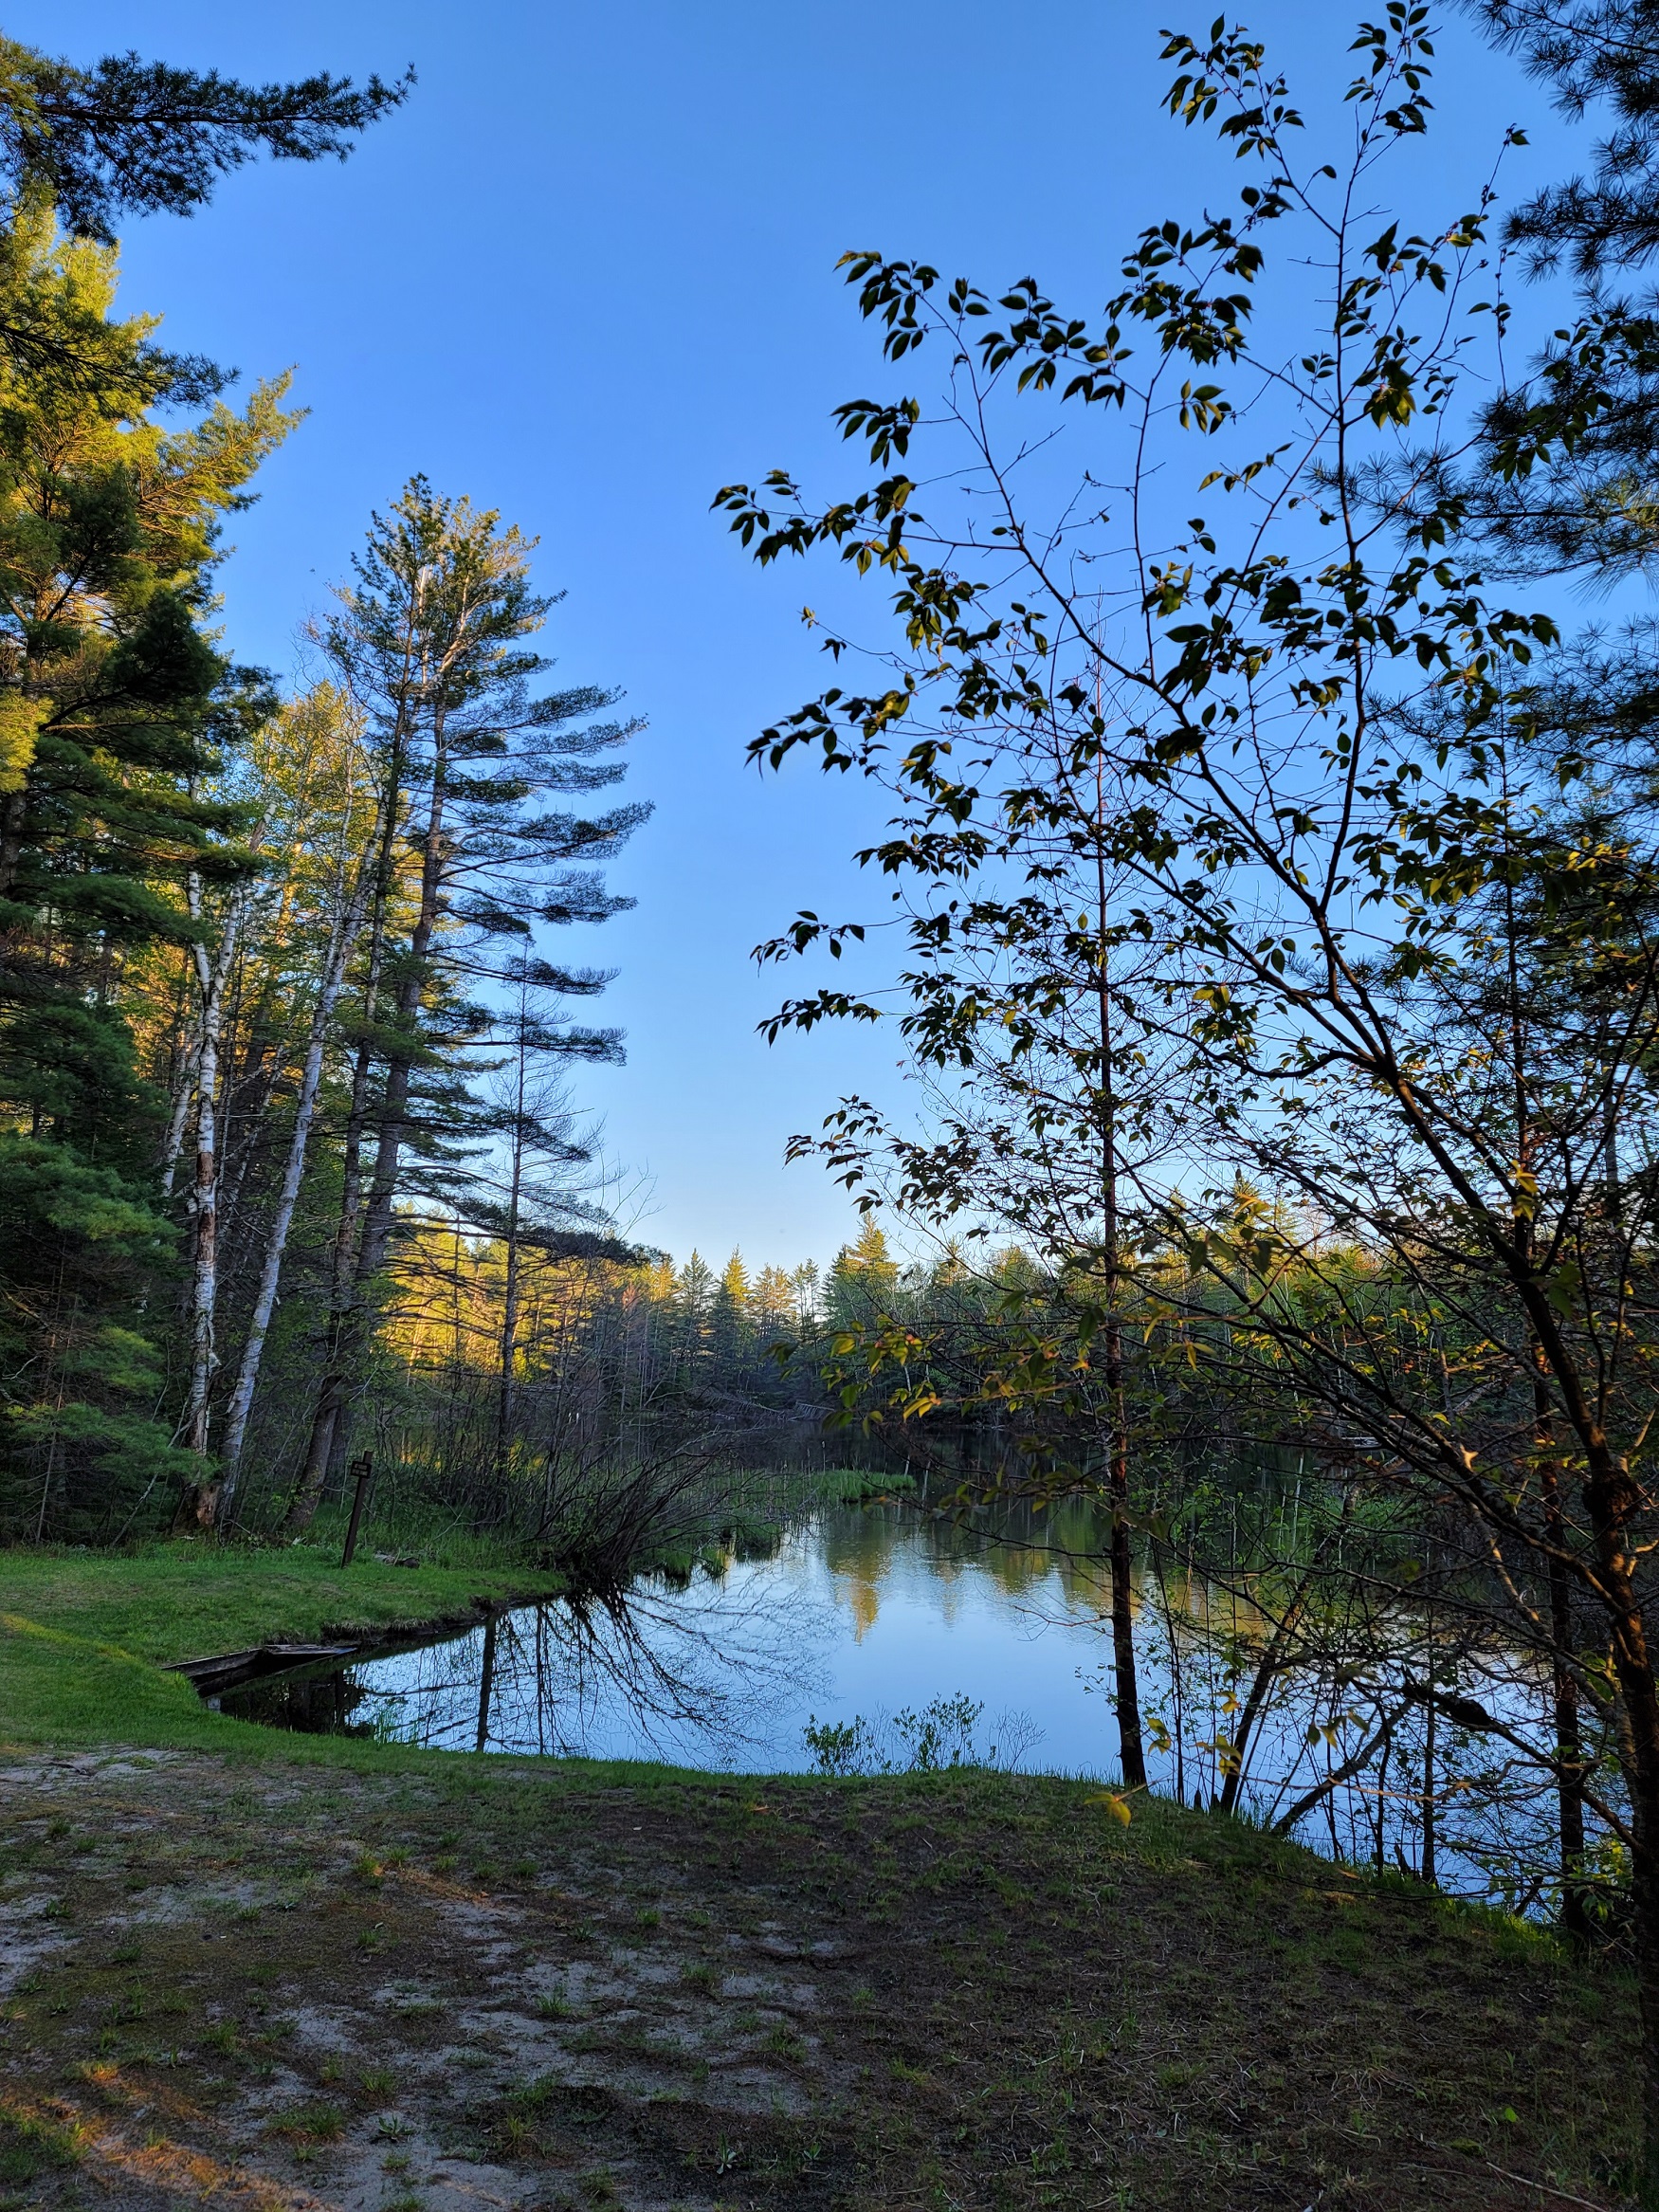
column 587, row 276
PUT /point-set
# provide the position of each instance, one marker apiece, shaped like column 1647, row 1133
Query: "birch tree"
column 432, row 643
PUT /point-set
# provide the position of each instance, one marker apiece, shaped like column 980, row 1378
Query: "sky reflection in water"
column 859, row 1612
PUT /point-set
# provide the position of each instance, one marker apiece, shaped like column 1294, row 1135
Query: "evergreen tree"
column 430, row 642
column 772, row 1303
column 115, row 712
column 1598, row 55
column 804, row 1283
column 863, row 1277
column 86, row 144
column 126, row 135
column 694, row 1296
column 537, row 1198
column 728, row 1329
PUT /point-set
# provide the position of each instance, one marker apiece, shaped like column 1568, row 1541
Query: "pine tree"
column 694, row 1296
column 1596, row 53
column 803, row 1282
column 537, row 1198
column 863, row 1277
column 771, row 1301
column 126, row 135
column 86, row 144
column 431, row 641
column 728, row 1326
column 115, row 712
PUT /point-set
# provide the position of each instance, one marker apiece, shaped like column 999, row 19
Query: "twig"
column 1548, row 2188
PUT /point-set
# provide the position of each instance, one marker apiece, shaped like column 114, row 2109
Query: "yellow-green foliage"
column 20, row 721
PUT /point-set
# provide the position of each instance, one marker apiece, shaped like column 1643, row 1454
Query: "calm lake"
column 875, row 1613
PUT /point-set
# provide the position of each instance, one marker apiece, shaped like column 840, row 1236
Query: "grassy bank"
column 754, row 1509
column 84, row 1634
column 478, row 1981
column 260, row 1969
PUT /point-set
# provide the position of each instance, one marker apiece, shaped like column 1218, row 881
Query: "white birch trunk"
column 211, row 981
column 343, row 942
column 211, row 976
column 183, row 1090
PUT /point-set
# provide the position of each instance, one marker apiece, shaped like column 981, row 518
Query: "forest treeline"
column 1276, row 853
column 290, row 1170
column 282, row 968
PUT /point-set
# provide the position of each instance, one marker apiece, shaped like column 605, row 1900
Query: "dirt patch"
column 454, row 1990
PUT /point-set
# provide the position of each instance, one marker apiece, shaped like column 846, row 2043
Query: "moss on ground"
column 496, row 1981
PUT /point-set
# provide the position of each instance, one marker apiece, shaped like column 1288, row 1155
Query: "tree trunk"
column 378, row 1215
column 506, row 1404
column 507, row 1394
column 1564, row 1682
column 1132, row 1748
column 183, row 1090
column 211, row 974
column 1565, row 1696
column 1131, row 1744
column 1267, row 1671
column 1609, row 1499
column 345, row 937
column 334, row 1387
column 13, row 812
column 330, row 1438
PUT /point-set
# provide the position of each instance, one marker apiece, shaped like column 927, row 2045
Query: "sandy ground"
column 303, row 1987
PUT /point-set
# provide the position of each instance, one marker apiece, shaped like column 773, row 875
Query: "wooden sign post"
column 364, row 1469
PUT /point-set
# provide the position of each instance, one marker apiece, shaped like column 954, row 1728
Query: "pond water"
column 861, row 1610
column 878, row 1613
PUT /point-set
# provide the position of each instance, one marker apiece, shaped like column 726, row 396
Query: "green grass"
column 754, row 1509
column 30, row 2144
column 85, row 1636
column 407, row 1527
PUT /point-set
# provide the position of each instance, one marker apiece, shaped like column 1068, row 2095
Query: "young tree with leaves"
column 345, row 833
column 1307, row 702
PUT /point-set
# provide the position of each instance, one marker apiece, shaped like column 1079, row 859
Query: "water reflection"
column 866, row 1612
column 695, row 1676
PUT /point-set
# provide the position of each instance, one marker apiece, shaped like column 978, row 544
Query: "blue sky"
column 587, row 276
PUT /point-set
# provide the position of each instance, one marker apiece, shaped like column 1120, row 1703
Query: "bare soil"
column 479, row 1983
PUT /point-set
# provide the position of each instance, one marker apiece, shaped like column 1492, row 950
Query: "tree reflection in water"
column 862, row 1613
column 697, row 1676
